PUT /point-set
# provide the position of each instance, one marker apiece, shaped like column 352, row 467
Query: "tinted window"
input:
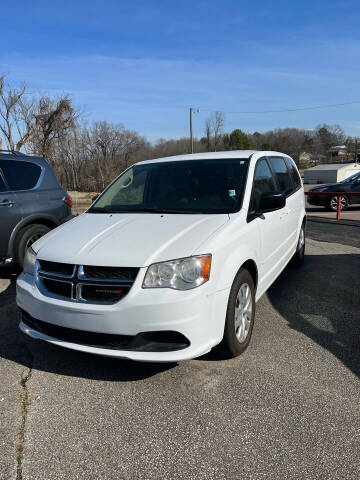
column 190, row 186
column 282, row 175
column 130, row 188
column 20, row 175
column 353, row 179
column 295, row 177
column 263, row 183
column 2, row 184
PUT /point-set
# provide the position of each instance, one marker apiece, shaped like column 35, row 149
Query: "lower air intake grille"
column 160, row 341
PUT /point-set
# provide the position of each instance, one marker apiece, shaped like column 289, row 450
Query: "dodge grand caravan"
column 169, row 261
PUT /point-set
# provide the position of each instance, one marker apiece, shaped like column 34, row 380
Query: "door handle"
column 7, row 203
column 282, row 215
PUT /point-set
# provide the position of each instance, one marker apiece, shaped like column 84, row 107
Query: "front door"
column 10, row 215
column 273, row 227
column 289, row 183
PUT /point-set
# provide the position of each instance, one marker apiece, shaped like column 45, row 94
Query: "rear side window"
column 282, row 175
column 20, row 175
column 295, row 177
column 263, row 183
column 2, row 184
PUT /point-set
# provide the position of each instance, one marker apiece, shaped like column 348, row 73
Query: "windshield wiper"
column 99, row 210
column 141, row 210
column 164, row 210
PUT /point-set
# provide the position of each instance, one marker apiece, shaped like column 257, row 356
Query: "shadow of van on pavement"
column 321, row 299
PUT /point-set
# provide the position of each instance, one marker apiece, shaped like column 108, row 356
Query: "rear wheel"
column 240, row 315
column 333, row 203
column 26, row 237
column 299, row 255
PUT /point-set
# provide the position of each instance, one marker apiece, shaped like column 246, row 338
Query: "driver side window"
column 357, row 180
column 128, row 189
column 263, row 183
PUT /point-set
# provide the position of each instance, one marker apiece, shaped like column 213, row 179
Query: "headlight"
column 29, row 261
column 181, row 274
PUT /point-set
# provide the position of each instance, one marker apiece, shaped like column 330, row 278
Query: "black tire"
column 332, row 204
column 231, row 346
column 299, row 255
column 25, row 238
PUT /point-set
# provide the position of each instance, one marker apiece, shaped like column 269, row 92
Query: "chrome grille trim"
column 81, row 276
column 77, row 281
column 58, row 274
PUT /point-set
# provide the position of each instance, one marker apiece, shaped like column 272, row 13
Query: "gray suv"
column 32, row 202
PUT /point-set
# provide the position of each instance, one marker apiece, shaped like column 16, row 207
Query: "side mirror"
column 271, row 201
column 95, row 197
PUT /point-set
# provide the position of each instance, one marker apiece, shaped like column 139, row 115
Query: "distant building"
column 305, row 159
column 330, row 173
column 338, row 151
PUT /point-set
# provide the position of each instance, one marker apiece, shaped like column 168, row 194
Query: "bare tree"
column 70, row 153
column 218, row 127
column 208, row 134
column 53, row 120
column 112, row 149
column 214, row 129
column 16, row 114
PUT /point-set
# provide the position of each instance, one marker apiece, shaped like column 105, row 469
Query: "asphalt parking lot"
column 288, row 408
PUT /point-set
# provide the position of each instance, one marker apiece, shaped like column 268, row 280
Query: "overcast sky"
column 143, row 63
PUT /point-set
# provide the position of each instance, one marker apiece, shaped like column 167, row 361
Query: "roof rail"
column 13, row 152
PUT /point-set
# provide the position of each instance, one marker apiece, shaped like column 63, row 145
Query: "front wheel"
column 240, row 315
column 26, row 237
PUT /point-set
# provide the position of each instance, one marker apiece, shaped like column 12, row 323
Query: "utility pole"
column 191, row 131
column 356, row 154
column 191, row 128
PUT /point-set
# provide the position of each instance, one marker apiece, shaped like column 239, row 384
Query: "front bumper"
column 198, row 315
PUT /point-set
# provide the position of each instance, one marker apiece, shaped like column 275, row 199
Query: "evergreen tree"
column 239, row 140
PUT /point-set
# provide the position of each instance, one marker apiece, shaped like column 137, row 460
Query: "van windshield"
column 185, row 186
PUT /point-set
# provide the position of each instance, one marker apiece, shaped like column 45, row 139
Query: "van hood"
column 127, row 240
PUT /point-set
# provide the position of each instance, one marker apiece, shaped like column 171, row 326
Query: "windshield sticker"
column 232, row 193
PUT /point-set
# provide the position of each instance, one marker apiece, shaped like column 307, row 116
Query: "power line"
column 297, row 109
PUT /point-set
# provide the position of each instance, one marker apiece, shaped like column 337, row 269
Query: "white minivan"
column 169, row 260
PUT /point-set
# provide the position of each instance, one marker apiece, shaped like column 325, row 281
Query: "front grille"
column 61, row 289
column 82, row 283
column 108, row 293
column 110, row 272
column 54, row 267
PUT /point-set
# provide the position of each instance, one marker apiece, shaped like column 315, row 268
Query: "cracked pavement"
column 287, row 408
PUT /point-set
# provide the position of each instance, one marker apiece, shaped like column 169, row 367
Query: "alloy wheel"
column 243, row 312
column 334, row 203
column 32, row 240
